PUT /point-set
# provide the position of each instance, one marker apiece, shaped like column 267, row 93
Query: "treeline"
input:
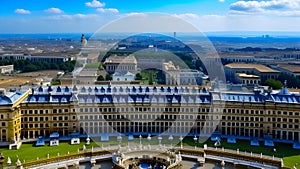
column 292, row 82
column 28, row 66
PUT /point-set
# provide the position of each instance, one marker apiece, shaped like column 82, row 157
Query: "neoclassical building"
column 138, row 109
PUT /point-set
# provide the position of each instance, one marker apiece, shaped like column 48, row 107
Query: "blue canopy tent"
column 231, row 140
column 104, row 138
column 269, row 143
column 130, row 137
column 40, row 142
column 296, row 145
column 254, row 142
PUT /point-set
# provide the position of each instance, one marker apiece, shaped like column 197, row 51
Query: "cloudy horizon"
column 67, row 16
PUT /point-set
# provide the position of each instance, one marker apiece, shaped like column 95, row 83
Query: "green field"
column 290, row 156
column 29, row 152
column 93, row 65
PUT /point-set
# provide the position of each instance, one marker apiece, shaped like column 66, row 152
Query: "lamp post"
column 171, row 139
column 195, row 140
column 180, row 139
column 119, row 139
column 140, row 140
column 159, row 138
column 149, row 139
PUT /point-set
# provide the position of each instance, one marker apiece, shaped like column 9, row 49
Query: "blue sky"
column 61, row 16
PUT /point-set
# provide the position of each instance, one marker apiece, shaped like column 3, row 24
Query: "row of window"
column 242, row 111
column 36, row 125
column 45, row 111
column 150, row 124
column 287, row 126
column 145, row 109
column 33, row 119
column 238, row 118
column 283, row 113
column 148, row 117
column 157, row 109
column 233, row 124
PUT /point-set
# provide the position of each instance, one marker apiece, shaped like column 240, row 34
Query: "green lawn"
column 29, row 152
column 93, row 65
column 290, row 156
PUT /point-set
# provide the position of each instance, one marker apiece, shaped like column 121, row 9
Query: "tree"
column 100, row 78
column 108, row 77
column 138, row 76
column 275, row 84
column 291, row 80
column 30, row 68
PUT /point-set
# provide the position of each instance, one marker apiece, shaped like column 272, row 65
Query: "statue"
column 83, row 40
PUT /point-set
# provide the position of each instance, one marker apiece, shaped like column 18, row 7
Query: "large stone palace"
column 140, row 109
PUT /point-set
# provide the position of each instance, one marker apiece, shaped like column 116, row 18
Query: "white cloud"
column 136, row 14
column 22, row 11
column 70, row 17
column 54, row 10
column 108, row 10
column 267, row 6
column 95, row 4
column 221, row 0
column 187, row 16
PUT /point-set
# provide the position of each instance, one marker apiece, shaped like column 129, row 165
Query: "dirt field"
column 29, row 78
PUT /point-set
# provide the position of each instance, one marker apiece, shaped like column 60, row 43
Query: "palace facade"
column 135, row 109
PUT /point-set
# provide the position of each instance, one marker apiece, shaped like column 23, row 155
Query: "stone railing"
column 186, row 150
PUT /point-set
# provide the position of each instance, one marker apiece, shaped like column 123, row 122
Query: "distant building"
column 176, row 76
column 191, row 77
column 246, row 79
column 262, row 71
column 291, row 55
column 237, row 59
column 125, row 77
column 13, row 56
column 171, row 73
column 116, row 63
column 6, row 69
column 290, row 70
column 86, row 76
column 145, row 63
column 50, row 59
